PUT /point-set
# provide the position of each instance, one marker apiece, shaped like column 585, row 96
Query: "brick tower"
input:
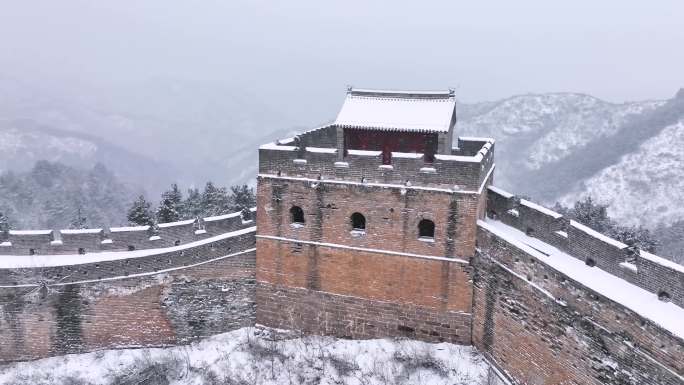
column 366, row 227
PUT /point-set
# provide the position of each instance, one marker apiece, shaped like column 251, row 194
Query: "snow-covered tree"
column 79, row 221
column 4, row 223
column 170, row 209
column 192, row 206
column 215, row 200
column 595, row 215
column 592, row 214
column 636, row 236
column 139, row 213
column 242, row 197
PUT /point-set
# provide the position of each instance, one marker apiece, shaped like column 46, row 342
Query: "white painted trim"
column 363, row 249
column 139, row 274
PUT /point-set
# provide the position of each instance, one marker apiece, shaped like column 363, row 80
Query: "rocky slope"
column 561, row 147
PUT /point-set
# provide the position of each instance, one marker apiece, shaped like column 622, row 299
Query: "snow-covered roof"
column 422, row 111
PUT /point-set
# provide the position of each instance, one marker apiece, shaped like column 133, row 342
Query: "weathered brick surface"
column 152, row 310
column 576, row 336
column 458, row 174
column 392, row 216
column 651, row 273
column 437, row 284
column 324, row 313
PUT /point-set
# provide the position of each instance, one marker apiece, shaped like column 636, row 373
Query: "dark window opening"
column 32, row 251
column 81, row 250
column 426, row 228
column 297, row 214
column 358, row 221
column 529, row 231
column 177, row 242
column 664, row 296
column 590, row 262
column 131, row 247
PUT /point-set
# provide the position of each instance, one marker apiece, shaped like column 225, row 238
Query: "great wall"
column 357, row 238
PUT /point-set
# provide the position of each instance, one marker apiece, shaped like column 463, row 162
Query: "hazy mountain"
column 52, row 195
column 24, row 142
column 187, row 131
column 563, row 146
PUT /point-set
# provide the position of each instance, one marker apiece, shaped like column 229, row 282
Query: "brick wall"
column 348, row 293
column 322, row 277
column 118, row 239
column 465, row 173
column 648, row 271
column 173, row 298
column 584, row 339
column 392, row 216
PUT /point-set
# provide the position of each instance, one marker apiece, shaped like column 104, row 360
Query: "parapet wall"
column 80, row 241
column 655, row 274
column 72, row 303
column 543, row 325
column 458, row 172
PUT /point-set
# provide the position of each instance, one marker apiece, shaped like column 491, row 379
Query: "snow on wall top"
column 81, row 231
column 30, row 232
column 48, row 260
column 666, row 314
column 423, row 111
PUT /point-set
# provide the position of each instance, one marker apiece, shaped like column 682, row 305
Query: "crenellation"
column 465, row 173
column 646, row 270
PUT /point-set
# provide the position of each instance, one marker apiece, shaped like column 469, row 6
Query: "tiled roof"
column 423, row 111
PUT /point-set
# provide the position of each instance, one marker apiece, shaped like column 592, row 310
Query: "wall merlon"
column 643, row 269
column 453, row 171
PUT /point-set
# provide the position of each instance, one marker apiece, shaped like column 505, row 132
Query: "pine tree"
column 139, row 213
column 215, row 200
column 4, row 224
column 241, row 198
column 170, row 209
column 192, row 206
column 594, row 215
column 636, row 236
column 79, row 221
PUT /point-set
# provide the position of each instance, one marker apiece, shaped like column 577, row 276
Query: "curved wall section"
column 73, row 303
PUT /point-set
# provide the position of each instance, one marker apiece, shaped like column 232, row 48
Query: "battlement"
column 464, row 169
column 650, row 272
column 81, row 241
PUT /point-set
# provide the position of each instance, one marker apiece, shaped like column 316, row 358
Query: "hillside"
column 550, row 146
column 23, row 142
column 186, row 131
column 51, row 195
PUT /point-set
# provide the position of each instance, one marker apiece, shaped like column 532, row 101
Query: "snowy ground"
column 258, row 356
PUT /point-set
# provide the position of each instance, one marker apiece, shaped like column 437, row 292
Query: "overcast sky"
column 301, row 54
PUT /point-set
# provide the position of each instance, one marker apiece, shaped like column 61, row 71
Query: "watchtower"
column 366, row 226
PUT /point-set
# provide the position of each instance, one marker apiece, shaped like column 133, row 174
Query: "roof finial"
column 349, row 89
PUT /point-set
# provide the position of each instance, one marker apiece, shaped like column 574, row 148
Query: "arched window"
column 590, row 262
column 81, row 250
column 358, row 221
column 131, row 248
column 426, row 228
column 177, row 242
column 297, row 215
